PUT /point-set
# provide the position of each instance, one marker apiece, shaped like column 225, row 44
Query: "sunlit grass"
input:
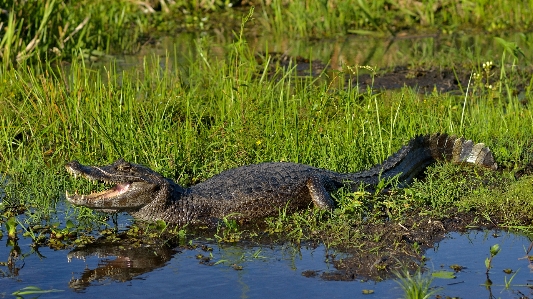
column 55, row 30
column 387, row 18
column 193, row 117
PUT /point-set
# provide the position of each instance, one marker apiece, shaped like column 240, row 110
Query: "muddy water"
column 425, row 62
column 246, row 271
column 456, row 51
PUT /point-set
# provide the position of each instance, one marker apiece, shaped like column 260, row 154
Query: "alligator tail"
column 413, row 158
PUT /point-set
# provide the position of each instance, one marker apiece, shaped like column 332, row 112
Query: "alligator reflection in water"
column 131, row 261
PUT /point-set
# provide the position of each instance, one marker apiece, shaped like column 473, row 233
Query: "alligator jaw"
column 134, row 186
column 117, row 190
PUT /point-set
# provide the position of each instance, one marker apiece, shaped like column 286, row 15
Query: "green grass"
column 201, row 114
column 415, row 286
column 509, row 205
column 386, row 18
column 56, row 30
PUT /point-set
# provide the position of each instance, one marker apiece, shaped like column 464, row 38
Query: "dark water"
column 425, row 62
column 458, row 51
column 269, row 272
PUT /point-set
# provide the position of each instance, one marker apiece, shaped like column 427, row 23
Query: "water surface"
column 272, row 271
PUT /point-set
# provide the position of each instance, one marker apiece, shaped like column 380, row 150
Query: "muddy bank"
column 395, row 245
column 421, row 80
column 424, row 80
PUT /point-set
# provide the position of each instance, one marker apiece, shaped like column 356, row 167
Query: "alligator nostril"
column 73, row 164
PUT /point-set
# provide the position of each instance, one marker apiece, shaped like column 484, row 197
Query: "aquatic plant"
column 415, row 286
column 228, row 230
column 33, row 290
column 494, row 250
column 11, row 226
column 507, row 282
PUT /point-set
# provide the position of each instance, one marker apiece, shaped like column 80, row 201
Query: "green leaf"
column 444, row 274
column 70, row 224
column 510, row 47
column 220, row 262
column 11, row 221
column 33, row 290
column 495, row 249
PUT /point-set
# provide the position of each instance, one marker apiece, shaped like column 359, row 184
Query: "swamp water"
column 271, row 271
column 276, row 271
column 459, row 51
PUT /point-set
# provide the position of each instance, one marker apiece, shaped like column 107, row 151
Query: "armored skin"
column 259, row 190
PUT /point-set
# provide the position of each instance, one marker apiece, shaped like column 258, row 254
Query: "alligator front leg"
column 319, row 195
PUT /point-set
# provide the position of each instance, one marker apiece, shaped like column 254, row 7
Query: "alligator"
column 260, row 190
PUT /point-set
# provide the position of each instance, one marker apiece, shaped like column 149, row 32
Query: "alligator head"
column 135, row 186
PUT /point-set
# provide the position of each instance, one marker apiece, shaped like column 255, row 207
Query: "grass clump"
column 60, row 30
column 434, row 190
column 326, row 18
column 415, row 286
column 509, row 205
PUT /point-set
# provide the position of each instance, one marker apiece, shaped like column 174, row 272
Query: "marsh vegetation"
column 238, row 85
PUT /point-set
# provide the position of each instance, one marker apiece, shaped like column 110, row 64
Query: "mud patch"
column 423, row 81
column 395, row 245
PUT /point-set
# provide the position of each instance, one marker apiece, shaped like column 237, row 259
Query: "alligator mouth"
column 129, row 192
column 116, row 191
column 113, row 192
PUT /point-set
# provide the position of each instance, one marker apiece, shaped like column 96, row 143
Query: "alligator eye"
column 125, row 167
